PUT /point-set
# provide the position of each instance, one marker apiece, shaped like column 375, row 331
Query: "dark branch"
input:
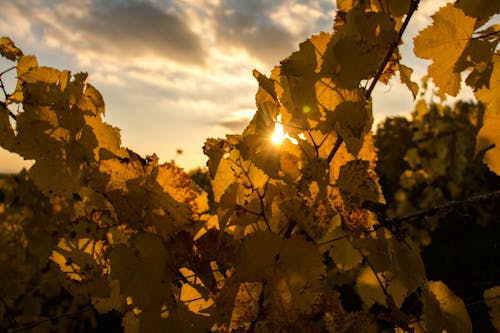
column 446, row 208
column 413, row 8
column 395, row 223
column 334, row 149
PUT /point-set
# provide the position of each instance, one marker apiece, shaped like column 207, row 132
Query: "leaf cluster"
column 290, row 228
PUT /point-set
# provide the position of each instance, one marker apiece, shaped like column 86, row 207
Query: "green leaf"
column 443, row 310
column 444, row 42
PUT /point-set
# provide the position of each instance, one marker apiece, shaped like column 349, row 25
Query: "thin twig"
column 447, row 207
column 487, row 35
column 36, row 323
column 7, row 70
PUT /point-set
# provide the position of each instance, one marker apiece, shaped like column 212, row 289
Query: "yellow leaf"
column 443, row 310
column 359, row 46
column 405, row 77
column 479, row 8
column 8, row 49
column 492, row 299
column 490, row 131
column 444, row 42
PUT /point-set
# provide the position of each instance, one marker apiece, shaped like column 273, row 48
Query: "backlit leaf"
column 444, row 42
column 443, row 310
column 8, row 49
column 490, row 131
column 492, row 299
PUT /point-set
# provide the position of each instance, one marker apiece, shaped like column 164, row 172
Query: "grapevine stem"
column 7, row 70
column 487, row 35
column 11, row 114
column 335, row 148
column 36, row 323
column 394, row 45
column 413, row 8
column 450, row 205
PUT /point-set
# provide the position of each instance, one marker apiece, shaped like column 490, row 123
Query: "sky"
column 175, row 72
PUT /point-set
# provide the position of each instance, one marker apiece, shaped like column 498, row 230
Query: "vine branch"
column 390, row 52
column 394, row 45
column 389, row 223
column 447, row 207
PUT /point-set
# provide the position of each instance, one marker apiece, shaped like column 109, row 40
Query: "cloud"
column 268, row 30
column 247, row 24
column 115, row 30
column 132, row 29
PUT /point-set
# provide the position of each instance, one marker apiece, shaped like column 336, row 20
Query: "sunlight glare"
column 279, row 132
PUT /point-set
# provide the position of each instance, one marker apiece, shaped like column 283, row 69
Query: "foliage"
column 430, row 159
column 95, row 229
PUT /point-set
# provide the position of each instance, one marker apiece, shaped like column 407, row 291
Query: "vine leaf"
column 479, row 8
column 292, row 272
column 142, row 271
column 360, row 45
column 492, row 299
column 357, row 185
column 490, row 131
column 443, row 310
column 444, row 42
column 344, row 254
column 405, row 77
column 8, row 49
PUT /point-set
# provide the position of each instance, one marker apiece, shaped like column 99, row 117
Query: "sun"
column 279, row 132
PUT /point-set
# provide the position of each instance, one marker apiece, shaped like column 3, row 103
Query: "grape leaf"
column 478, row 56
column 479, row 8
column 397, row 7
column 444, row 42
column 371, row 292
column 8, row 49
column 356, row 184
column 360, row 45
column 142, row 271
column 490, row 134
column 346, row 257
column 352, row 120
column 7, row 134
column 443, row 310
column 114, row 301
column 246, row 307
column 405, row 77
column 490, row 131
column 492, row 299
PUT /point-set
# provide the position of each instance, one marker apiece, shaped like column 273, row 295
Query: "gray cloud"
column 124, row 29
column 247, row 24
column 141, row 28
